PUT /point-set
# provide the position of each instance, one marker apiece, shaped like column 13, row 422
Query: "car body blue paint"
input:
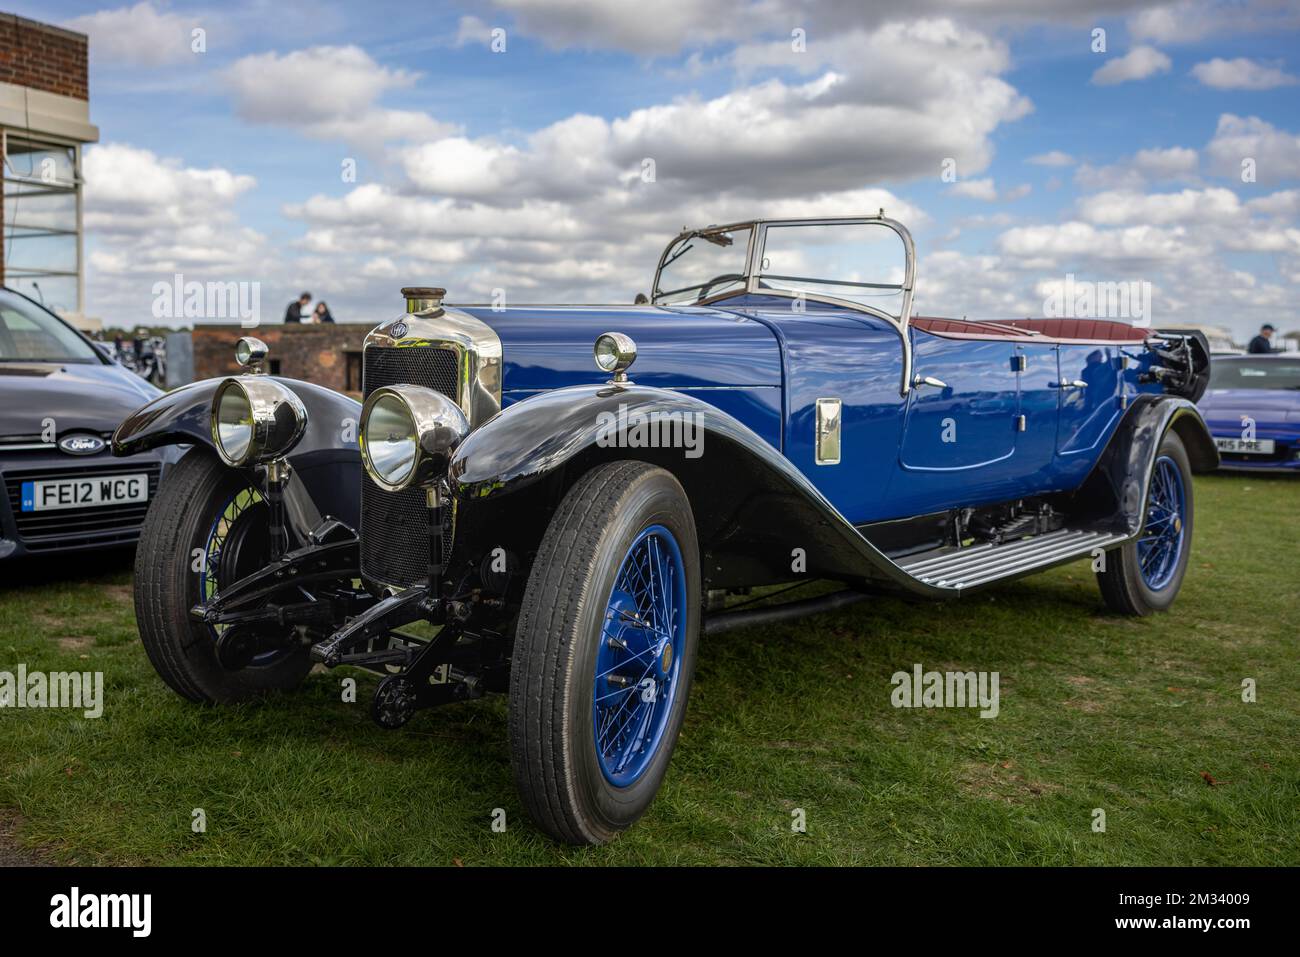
column 549, row 347
column 767, row 359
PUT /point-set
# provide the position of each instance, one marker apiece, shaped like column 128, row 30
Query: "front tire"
column 209, row 516
column 1144, row 575
column 604, row 652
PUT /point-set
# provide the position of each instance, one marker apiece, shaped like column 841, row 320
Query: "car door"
column 962, row 414
column 1040, row 397
column 1088, row 403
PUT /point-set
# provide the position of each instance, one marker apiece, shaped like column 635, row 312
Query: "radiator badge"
column 397, row 330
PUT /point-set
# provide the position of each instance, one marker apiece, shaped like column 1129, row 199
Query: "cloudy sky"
column 351, row 149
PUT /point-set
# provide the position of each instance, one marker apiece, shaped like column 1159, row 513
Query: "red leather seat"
column 1020, row 330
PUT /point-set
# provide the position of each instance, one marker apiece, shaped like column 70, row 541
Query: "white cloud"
column 148, row 218
column 767, row 140
column 1188, row 207
column 1054, row 158
column 1275, row 153
column 135, row 186
column 975, row 189
column 647, row 28
column 136, row 36
column 1191, row 20
column 674, row 26
column 328, row 93
column 1281, row 204
column 1173, row 163
column 1075, row 242
column 1179, row 242
column 952, row 283
column 1138, row 64
column 1175, row 23
column 1242, row 74
column 470, row 30
column 459, row 167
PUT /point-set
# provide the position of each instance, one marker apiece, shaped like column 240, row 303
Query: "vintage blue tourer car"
column 504, row 514
column 1252, row 408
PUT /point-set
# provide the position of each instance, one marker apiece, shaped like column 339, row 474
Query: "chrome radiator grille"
column 394, row 537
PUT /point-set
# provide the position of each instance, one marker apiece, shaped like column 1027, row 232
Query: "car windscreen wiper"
column 675, row 256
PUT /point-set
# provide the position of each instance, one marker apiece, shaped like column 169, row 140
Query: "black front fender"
column 327, row 458
column 1117, row 488
column 760, row 520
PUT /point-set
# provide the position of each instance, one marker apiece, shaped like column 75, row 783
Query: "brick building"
column 329, row 355
column 44, row 122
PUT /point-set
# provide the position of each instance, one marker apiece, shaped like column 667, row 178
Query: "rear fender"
column 327, row 459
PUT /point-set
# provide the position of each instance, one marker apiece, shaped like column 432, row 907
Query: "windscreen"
column 1254, row 374
column 702, row 265
column 861, row 262
column 29, row 333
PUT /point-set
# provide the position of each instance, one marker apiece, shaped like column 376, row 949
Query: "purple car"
column 1253, row 410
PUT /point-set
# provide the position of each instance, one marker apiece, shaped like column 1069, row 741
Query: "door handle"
column 1073, row 384
column 929, row 380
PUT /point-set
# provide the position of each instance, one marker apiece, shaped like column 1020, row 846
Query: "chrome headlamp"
column 254, row 419
column 250, row 353
column 408, row 434
column 615, row 353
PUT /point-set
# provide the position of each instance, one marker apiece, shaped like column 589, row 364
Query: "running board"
column 961, row 568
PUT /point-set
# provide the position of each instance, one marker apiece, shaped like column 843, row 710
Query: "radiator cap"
column 423, row 298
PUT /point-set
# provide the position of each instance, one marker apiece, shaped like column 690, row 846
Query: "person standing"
column 293, row 312
column 1261, row 345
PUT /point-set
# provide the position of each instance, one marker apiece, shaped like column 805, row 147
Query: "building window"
column 42, row 222
column 353, row 371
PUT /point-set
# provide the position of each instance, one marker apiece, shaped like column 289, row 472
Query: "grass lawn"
column 1096, row 712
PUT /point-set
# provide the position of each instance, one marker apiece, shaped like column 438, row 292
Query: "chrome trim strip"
column 477, row 348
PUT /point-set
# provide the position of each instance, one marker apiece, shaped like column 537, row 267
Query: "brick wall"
column 328, row 355
column 43, row 57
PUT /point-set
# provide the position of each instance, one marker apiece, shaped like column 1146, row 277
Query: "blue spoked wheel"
column 604, row 651
column 1144, row 575
column 205, row 528
column 1161, row 544
column 637, row 660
